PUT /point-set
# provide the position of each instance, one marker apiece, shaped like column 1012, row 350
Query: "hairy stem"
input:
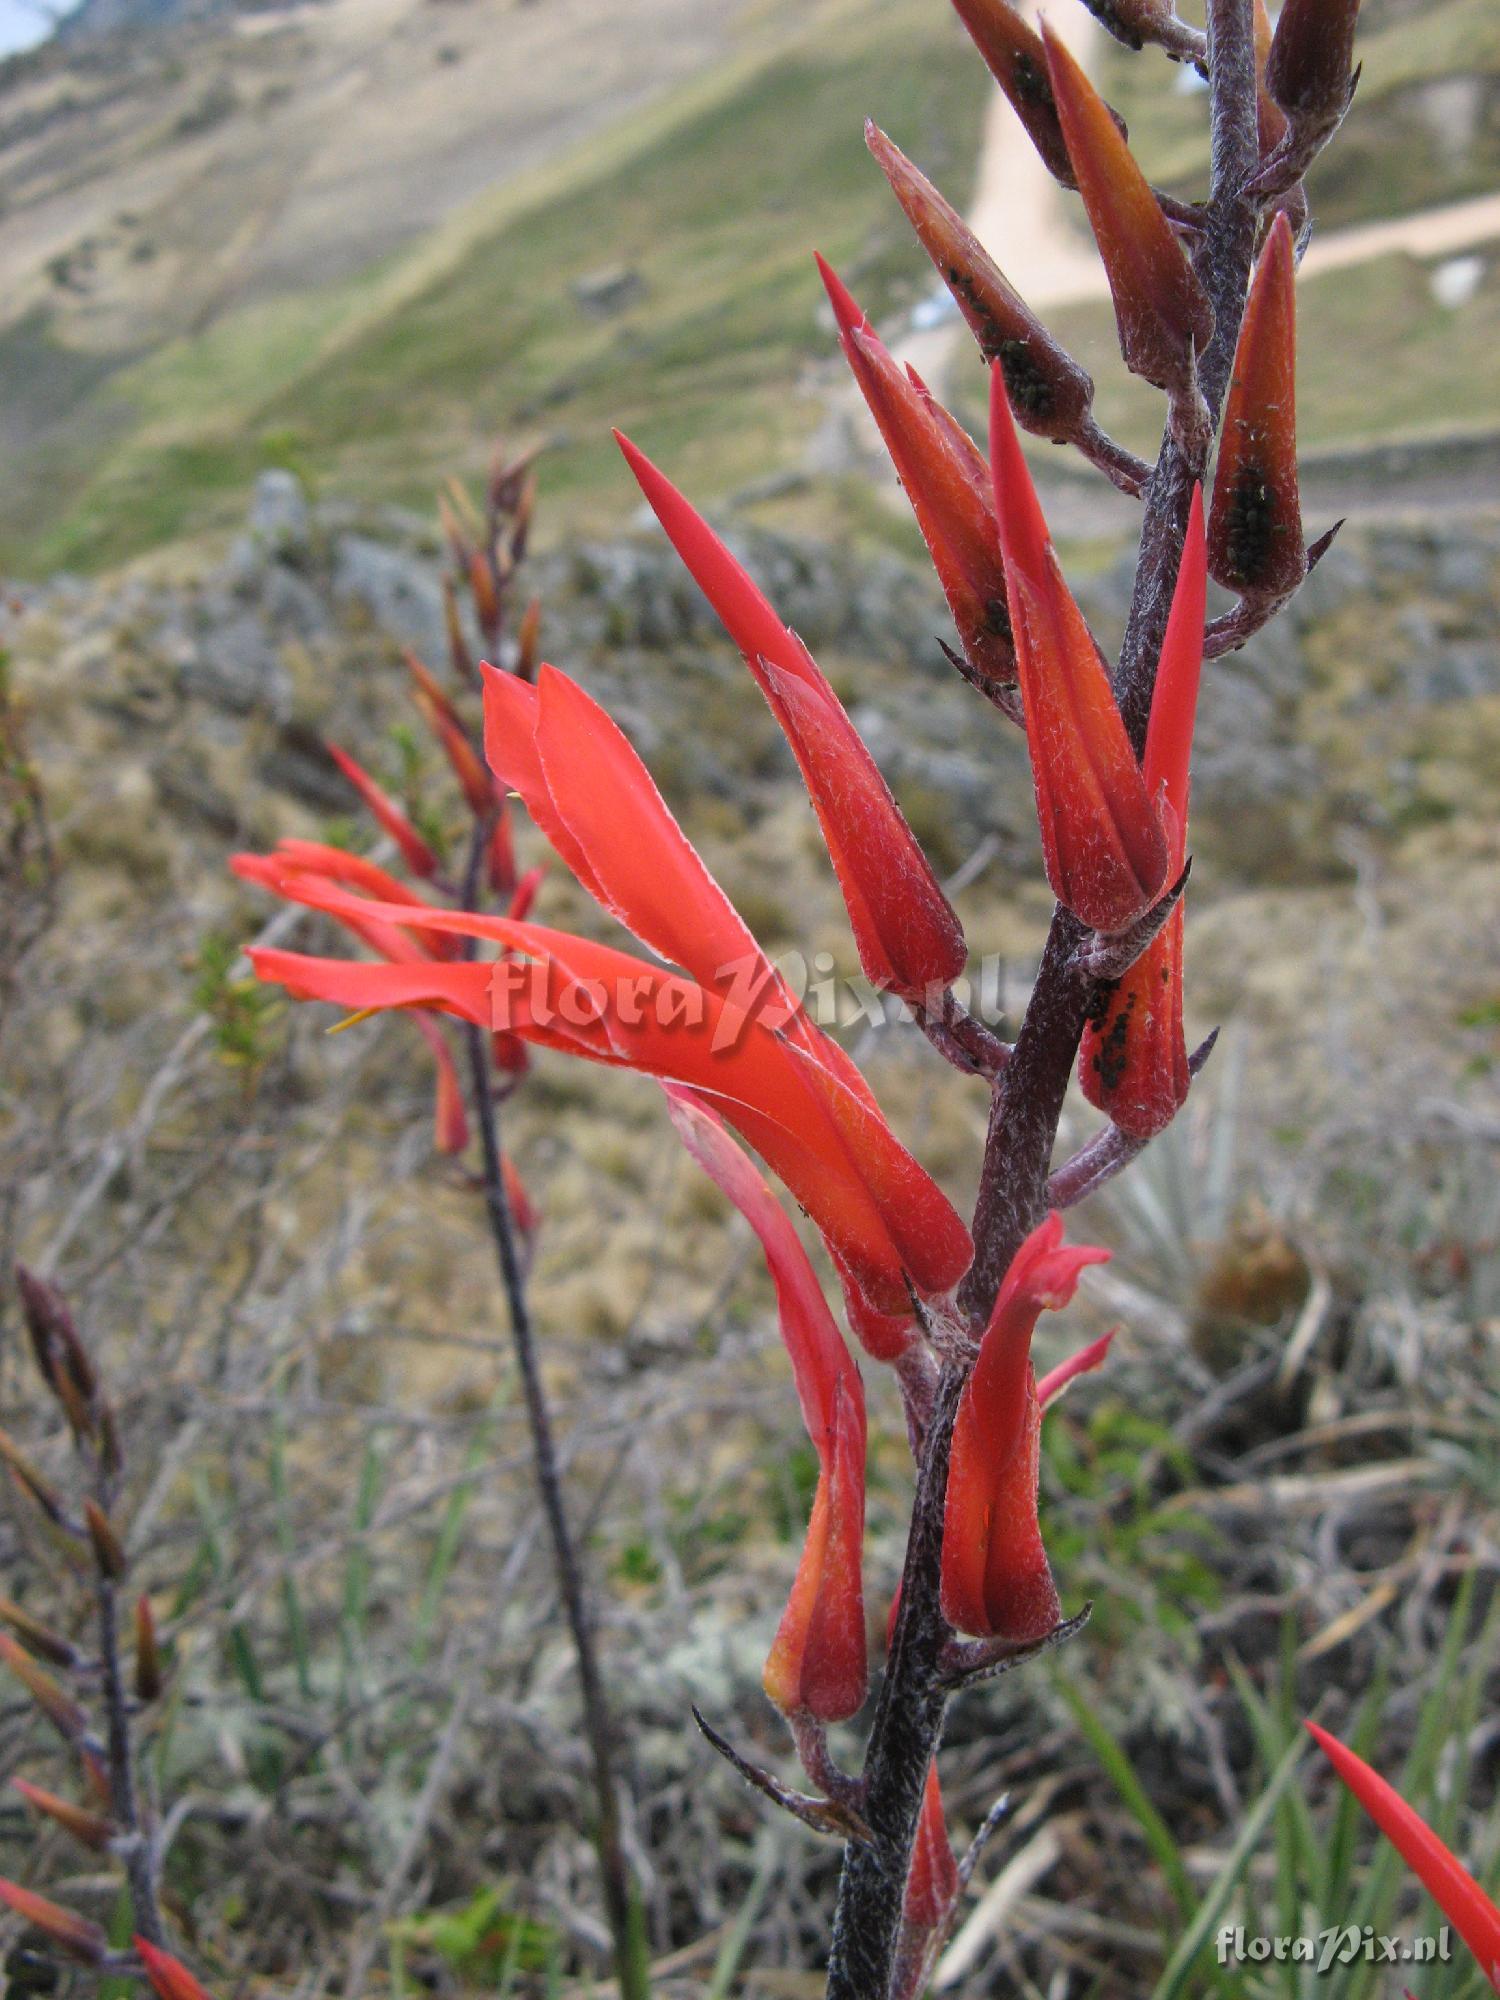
column 1028, row 1095
column 621, row 1905
column 134, row 1844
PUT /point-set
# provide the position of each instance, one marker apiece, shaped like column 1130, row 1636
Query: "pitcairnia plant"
column 1203, row 295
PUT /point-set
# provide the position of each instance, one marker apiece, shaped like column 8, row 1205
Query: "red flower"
column 909, row 940
column 1161, row 310
column 996, row 1580
column 1446, row 1880
column 384, row 810
column 948, row 488
column 887, row 1224
column 1255, row 523
column 450, row 1125
column 817, row 1663
column 1133, row 1062
column 1102, row 841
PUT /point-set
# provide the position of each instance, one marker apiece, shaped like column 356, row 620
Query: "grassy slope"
column 715, row 201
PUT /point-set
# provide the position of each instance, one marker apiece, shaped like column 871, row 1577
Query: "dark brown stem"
column 1120, row 467
column 1029, row 1095
column 622, row 1907
column 134, row 1845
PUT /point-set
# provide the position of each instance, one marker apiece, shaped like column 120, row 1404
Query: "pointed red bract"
column 1471, row 1912
column 949, row 494
column 1161, row 311
column 1255, row 542
column 908, row 937
column 384, row 810
column 818, row 1663
column 1050, row 394
column 996, row 1580
column 1105, row 852
column 169, row 1977
column 1133, row 1061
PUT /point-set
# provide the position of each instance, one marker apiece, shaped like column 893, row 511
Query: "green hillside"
column 708, row 210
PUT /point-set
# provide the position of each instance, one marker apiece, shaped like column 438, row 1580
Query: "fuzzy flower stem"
column 1029, row 1094
column 622, row 1907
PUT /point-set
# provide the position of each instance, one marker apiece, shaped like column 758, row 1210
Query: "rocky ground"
column 282, row 1274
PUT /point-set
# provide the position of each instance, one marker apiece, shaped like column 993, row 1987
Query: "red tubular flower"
column 996, row 1580
column 384, row 810
column 908, row 937
column 1102, row 841
column 947, row 487
column 169, row 1977
column 885, row 1221
column 523, row 1210
column 1133, row 1061
column 1447, row 1881
column 450, row 1124
column 817, row 1664
column 1161, row 310
column 1255, row 524
column 1050, row 394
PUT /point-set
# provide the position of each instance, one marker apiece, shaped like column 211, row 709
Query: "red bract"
column 996, row 1580
column 384, row 810
column 169, row 1977
column 1447, row 1881
column 947, row 488
column 1102, row 841
column 1161, row 310
column 908, row 937
column 817, row 1665
column 1255, row 524
column 1050, row 394
column 1133, row 1061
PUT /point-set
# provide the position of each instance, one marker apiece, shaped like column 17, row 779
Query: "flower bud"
column 89, row 1829
column 1103, row 845
column 71, row 1933
column 1161, row 311
column 1050, row 394
column 1309, row 70
column 1255, row 544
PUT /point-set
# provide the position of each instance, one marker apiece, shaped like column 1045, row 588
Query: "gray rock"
column 400, row 592
column 236, row 665
column 280, row 522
